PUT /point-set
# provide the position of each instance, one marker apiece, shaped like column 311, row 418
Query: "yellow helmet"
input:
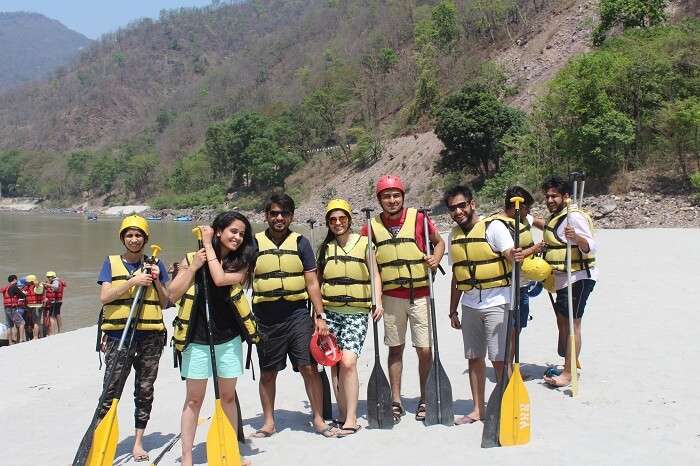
column 50, row 274
column 341, row 204
column 536, row 268
column 31, row 278
column 134, row 221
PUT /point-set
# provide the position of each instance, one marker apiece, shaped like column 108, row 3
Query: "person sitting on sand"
column 229, row 253
column 578, row 231
column 345, row 287
column 481, row 253
column 121, row 275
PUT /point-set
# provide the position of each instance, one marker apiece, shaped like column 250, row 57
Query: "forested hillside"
column 236, row 98
column 34, row 45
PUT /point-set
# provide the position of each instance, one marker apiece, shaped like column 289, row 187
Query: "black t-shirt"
column 14, row 290
column 273, row 312
column 224, row 323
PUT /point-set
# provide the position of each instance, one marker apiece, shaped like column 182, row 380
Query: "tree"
column 472, row 124
column 10, row 168
column 678, row 125
column 139, row 174
column 629, row 14
column 445, row 30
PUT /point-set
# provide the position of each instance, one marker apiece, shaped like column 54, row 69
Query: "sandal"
column 420, row 411
column 345, row 431
column 397, row 411
column 337, row 423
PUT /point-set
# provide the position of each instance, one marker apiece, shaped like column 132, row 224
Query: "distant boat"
column 154, row 217
column 183, row 218
column 92, row 216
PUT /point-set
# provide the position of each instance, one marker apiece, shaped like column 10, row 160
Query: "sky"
column 93, row 18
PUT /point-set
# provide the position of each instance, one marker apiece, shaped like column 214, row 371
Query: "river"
column 75, row 248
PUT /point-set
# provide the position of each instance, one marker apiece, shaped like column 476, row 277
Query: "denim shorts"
column 196, row 360
column 580, row 291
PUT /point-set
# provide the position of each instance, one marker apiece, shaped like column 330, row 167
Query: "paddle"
column 99, row 443
column 379, row 410
column 438, row 390
column 327, row 405
column 515, row 405
column 489, row 436
column 222, row 443
column 569, row 302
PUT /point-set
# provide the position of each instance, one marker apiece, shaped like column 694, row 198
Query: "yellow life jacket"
column 401, row 262
column 241, row 308
column 115, row 313
column 475, row 264
column 279, row 272
column 556, row 247
column 345, row 280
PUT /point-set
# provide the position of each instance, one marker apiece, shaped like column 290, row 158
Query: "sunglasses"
column 339, row 219
column 454, row 207
column 277, row 213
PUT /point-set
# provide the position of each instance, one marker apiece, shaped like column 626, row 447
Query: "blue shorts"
column 196, row 360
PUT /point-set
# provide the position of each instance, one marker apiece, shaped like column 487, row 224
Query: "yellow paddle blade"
column 104, row 440
column 222, row 442
column 514, row 428
column 572, row 358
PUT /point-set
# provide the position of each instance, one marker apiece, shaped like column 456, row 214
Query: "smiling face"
column 554, row 200
column 338, row 222
column 460, row 209
column 231, row 237
column 391, row 201
column 134, row 240
column 278, row 219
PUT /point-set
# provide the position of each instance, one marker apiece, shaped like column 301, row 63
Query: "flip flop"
column 460, row 421
column 553, row 371
column 337, row 423
column 346, row 431
column 328, row 432
column 553, row 383
column 421, row 411
column 141, row 458
column 262, row 434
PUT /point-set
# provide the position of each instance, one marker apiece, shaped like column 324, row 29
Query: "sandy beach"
column 637, row 401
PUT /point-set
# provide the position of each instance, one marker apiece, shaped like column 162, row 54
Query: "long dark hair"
column 330, row 236
column 243, row 257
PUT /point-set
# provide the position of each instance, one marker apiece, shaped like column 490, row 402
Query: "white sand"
column 125, row 209
column 637, row 402
column 21, row 204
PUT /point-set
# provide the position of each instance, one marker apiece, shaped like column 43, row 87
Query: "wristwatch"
column 321, row 316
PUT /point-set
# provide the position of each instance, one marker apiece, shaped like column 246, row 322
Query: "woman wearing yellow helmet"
column 121, row 275
column 345, row 287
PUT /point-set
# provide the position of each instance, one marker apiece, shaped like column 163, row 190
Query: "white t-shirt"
column 498, row 237
column 580, row 224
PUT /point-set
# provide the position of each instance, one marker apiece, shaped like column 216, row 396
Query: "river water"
column 75, row 248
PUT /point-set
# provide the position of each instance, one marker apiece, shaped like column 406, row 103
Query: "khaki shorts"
column 397, row 313
column 484, row 329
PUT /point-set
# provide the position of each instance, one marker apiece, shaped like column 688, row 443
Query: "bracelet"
column 452, row 314
column 214, row 259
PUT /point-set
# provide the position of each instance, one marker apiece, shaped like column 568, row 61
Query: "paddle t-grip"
column 197, row 232
column 517, row 200
column 155, row 250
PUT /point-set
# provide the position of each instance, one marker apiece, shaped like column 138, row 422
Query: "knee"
column 268, row 377
column 308, row 371
column 228, row 398
column 396, row 352
column 347, row 365
column 194, row 403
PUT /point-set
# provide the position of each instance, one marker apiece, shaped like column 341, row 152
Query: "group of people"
column 32, row 307
column 300, row 296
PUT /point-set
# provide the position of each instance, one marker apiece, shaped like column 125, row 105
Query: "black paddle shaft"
column 207, row 318
column 516, row 279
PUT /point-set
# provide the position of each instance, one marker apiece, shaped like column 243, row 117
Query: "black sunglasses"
column 454, row 207
column 277, row 213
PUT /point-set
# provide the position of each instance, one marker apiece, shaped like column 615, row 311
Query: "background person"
column 53, row 291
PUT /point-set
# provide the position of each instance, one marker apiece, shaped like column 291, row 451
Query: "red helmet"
column 325, row 350
column 390, row 182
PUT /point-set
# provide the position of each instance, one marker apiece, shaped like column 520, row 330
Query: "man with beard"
column 284, row 279
column 481, row 253
column 577, row 230
column 403, row 265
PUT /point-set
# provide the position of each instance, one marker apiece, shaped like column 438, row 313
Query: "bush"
column 695, row 182
column 213, row 196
